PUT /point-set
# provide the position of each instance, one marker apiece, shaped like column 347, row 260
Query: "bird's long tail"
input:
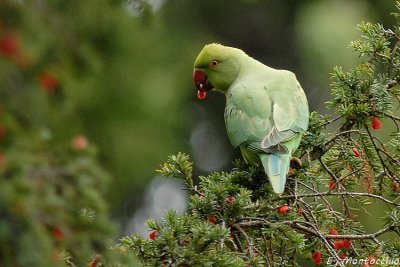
column 276, row 166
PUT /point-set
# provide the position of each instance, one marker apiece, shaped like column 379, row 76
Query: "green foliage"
column 178, row 166
column 184, row 240
column 51, row 201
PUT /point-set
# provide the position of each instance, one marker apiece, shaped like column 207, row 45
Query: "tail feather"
column 276, row 167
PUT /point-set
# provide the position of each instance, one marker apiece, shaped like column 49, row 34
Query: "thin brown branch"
column 340, row 134
column 318, row 152
column 388, row 172
column 331, row 174
column 307, row 205
column 259, row 222
column 391, row 116
column 329, row 193
column 332, row 120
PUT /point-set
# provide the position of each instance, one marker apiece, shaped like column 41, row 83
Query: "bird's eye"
column 214, row 63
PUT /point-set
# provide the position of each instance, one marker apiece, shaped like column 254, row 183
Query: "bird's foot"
column 295, row 163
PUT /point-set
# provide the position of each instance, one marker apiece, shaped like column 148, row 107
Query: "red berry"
column 9, row 44
column 58, row 234
column 153, row 235
column 376, row 123
column 394, row 185
column 230, row 199
column 201, row 94
column 338, row 245
column 317, row 257
column 211, row 219
column 80, row 142
column 283, row 209
column 342, row 256
column 333, row 232
column 48, row 81
column 356, row 152
column 346, row 243
column 332, row 185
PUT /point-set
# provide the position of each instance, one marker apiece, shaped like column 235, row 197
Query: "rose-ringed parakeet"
column 266, row 109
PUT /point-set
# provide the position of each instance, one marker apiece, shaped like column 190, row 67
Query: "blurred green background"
column 124, row 73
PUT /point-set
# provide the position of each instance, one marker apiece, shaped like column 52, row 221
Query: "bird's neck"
column 250, row 68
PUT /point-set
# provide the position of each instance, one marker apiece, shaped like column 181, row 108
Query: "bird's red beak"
column 201, row 82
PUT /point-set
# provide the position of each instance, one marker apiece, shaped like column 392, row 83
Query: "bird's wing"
column 290, row 112
column 247, row 115
column 264, row 114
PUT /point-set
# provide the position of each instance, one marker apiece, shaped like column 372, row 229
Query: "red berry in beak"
column 201, row 94
column 201, row 82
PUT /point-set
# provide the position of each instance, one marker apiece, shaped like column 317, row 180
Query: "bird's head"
column 216, row 67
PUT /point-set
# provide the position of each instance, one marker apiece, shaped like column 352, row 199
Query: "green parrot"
column 266, row 109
